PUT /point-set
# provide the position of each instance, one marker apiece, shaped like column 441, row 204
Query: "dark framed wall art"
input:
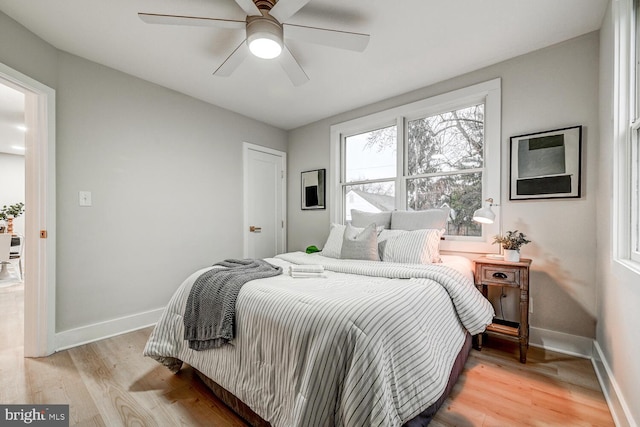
column 546, row 165
column 313, row 189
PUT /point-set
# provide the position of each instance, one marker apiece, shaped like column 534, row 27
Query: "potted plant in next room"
column 8, row 213
column 511, row 243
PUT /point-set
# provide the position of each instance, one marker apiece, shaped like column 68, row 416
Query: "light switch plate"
column 84, row 198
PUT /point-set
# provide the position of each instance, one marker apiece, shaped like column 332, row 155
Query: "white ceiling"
column 414, row 43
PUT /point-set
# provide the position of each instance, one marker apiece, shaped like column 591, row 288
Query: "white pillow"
column 420, row 220
column 412, row 247
column 360, row 244
column 333, row 245
column 363, row 219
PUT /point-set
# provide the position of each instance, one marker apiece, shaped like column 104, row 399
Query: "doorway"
column 264, row 201
column 12, row 192
column 39, row 226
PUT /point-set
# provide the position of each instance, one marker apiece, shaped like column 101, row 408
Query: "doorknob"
column 254, row 229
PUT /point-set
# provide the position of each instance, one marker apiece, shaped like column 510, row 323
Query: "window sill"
column 629, row 265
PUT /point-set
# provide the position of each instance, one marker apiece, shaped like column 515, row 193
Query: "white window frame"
column 634, row 220
column 626, row 124
column 488, row 93
column 634, row 148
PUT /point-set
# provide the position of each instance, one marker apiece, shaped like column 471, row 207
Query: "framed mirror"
column 313, row 189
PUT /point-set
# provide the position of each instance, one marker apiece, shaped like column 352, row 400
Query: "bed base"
column 422, row 420
column 237, row 405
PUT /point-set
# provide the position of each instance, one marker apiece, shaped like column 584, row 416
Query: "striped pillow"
column 413, row 247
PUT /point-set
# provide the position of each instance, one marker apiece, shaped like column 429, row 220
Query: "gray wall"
column 618, row 287
column 547, row 89
column 165, row 172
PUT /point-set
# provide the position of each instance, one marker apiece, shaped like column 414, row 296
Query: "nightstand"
column 496, row 272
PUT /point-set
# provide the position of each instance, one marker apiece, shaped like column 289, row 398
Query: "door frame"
column 40, row 201
column 246, row 147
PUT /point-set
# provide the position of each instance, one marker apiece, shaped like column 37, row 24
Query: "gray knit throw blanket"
column 209, row 318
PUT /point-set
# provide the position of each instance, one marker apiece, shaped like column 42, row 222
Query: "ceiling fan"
column 266, row 34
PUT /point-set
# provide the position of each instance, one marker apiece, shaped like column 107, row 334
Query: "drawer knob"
column 499, row 275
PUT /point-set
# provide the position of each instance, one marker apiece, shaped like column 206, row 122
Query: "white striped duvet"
column 372, row 344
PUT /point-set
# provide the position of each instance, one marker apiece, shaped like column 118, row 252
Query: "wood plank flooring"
column 109, row 383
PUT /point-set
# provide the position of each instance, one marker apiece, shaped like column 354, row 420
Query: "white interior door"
column 264, row 206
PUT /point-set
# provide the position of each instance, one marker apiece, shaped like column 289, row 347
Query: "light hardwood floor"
column 109, row 383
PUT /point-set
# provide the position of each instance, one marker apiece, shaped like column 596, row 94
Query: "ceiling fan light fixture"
column 265, row 47
column 264, row 36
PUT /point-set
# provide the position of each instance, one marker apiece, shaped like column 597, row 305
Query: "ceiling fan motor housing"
column 264, row 27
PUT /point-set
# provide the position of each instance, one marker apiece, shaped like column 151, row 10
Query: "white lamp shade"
column 484, row 215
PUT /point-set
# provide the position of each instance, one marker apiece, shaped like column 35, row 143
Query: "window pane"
column 371, row 155
column 461, row 192
column 446, row 142
column 374, row 197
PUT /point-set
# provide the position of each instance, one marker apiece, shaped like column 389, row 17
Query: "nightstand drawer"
column 499, row 274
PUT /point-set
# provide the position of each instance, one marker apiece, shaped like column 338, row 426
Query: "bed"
column 368, row 343
column 378, row 338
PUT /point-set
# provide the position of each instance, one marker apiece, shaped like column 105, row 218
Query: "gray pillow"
column 420, row 220
column 362, row 218
column 358, row 244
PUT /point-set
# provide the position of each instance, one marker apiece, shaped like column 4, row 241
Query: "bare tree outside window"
column 445, row 158
column 445, row 155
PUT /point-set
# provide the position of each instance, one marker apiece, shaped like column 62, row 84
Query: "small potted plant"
column 8, row 213
column 511, row 243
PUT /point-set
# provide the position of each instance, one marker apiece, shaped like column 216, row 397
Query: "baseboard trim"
column 98, row 331
column 561, row 342
column 617, row 405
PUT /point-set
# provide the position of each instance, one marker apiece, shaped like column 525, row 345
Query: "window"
column 627, row 134
column 634, row 162
column 442, row 151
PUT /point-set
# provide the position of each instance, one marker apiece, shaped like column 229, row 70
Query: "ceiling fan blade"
column 285, row 9
column 292, row 68
column 340, row 39
column 154, row 18
column 249, row 7
column 233, row 61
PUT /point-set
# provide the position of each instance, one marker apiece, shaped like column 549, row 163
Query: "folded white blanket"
column 306, row 268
